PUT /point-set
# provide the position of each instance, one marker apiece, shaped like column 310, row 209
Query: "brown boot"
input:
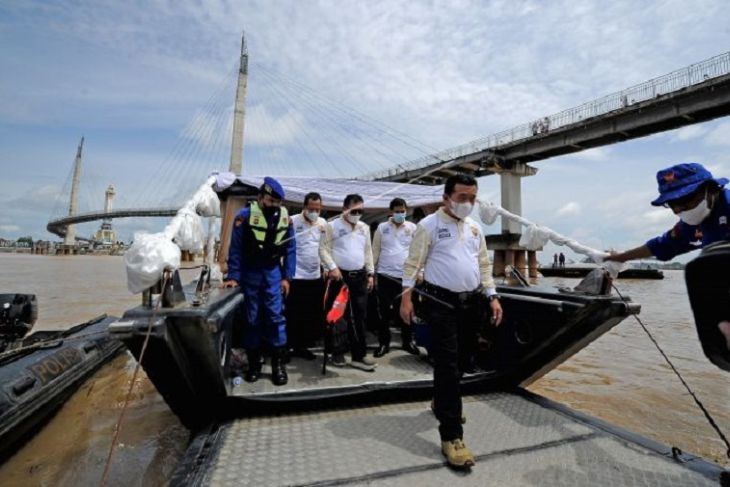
column 457, row 454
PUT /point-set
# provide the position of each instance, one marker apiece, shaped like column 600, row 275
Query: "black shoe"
column 254, row 366
column 279, row 377
column 382, row 350
column 303, row 353
column 411, row 348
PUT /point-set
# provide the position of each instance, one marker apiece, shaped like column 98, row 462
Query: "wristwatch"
column 493, row 297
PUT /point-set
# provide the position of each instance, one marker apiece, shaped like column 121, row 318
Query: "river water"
column 620, row 378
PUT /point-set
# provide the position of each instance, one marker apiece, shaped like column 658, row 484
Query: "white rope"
column 535, row 236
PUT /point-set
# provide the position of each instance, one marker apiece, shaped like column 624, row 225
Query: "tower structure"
column 106, row 234
column 239, row 113
column 70, row 237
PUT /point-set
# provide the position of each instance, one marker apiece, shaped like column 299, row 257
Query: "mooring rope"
column 118, row 426
column 704, row 410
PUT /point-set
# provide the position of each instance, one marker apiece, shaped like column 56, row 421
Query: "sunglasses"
column 356, row 211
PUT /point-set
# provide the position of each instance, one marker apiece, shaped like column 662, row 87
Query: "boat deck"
column 519, row 439
column 305, row 376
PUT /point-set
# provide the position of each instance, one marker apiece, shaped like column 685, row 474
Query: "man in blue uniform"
column 702, row 204
column 262, row 261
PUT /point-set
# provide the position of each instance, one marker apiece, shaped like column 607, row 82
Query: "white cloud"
column 688, row 133
column 9, row 228
column 720, row 135
column 571, row 208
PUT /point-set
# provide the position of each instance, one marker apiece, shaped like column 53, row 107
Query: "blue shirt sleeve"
column 673, row 243
column 290, row 256
column 235, row 251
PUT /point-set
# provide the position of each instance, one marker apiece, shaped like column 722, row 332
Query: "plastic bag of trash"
column 206, row 202
column 534, row 237
column 488, row 212
column 189, row 235
column 149, row 255
column 223, row 180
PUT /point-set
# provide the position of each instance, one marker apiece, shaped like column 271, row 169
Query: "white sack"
column 189, row 235
column 206, row 202
column 149, row 255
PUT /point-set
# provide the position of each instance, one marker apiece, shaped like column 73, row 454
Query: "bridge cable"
column 316, row 107
column 701, row 406
column 357, row 136
column 330, row 135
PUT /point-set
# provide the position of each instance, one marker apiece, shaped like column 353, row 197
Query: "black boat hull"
column 584, row 271
column 39, row 377
column 188, row 354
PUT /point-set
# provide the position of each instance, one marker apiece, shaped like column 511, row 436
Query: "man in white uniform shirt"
column 304, row 313
column 451, row 249
column 390, row 249
column 347, row 255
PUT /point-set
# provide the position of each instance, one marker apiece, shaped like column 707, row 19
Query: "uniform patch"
column 676, row 232
column 722, row 220
column 668, row 177
column 255, row 220
column 386, row 231
column 474, row 231
column 238, row 221
column 698, row 234
column 443, row 233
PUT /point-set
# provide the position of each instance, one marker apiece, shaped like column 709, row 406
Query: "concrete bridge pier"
column 506, row 247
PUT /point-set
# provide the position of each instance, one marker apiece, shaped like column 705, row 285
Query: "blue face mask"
column 399, row 217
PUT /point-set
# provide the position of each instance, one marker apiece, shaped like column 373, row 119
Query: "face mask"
column 461, row 210
column 312, row 215
column 696, row 215
column 399, row 217
column 353, row 219
column 269, row 211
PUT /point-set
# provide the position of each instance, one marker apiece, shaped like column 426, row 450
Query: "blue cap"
column 272, row 187
column 681, row 180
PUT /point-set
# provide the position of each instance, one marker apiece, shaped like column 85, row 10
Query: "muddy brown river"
column 620, row 378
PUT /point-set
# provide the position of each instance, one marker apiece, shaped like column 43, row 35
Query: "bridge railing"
column 669, row 83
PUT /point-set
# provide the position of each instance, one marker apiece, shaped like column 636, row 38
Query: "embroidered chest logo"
column 443, row 233
column 474, row 231
column 722, row 220
column 342, row 232
column 299, row 228
column 386, row 231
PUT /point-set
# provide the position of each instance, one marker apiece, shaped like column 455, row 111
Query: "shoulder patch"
column 676, row 232
column 238, row 221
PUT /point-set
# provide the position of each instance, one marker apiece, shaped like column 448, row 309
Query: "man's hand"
column 371, row 283
column 406, row 307
column 285, row 287
column 335, row 275
column 496, row 312
column 229, row 283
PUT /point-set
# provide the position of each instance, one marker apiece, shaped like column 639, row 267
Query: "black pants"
column 389, row 294
column 356, row 313
column 304, row 312
column 453, row 332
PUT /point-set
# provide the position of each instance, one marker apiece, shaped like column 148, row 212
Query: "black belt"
column 357, row 273
column 451, row 297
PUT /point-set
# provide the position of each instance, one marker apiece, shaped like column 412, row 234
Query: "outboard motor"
column 18, row 314
column 708, row 285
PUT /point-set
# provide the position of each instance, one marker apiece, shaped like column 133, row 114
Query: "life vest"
column 266, row 241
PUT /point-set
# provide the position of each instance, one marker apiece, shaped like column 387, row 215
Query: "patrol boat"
column 39, row 372
column 188, row 355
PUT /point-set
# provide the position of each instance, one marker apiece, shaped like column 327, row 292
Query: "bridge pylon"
column 73, row 206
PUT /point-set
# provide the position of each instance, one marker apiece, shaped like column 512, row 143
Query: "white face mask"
column 696, row 215
column 353, row 218
column 461, row 210
column 311, row 215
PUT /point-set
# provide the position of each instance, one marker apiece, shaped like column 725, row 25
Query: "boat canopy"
column 377, row 194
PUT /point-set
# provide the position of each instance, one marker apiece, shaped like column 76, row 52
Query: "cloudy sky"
column 150, row 85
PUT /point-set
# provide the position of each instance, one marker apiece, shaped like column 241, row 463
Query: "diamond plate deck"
column 516, row 440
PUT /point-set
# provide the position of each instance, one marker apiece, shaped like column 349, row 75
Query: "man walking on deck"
column 347, row 255
column 262, row 261
column 390, row 249
column 451, row 249
column 304, row 311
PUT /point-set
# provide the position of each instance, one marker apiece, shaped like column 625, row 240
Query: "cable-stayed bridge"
column 291, row 129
